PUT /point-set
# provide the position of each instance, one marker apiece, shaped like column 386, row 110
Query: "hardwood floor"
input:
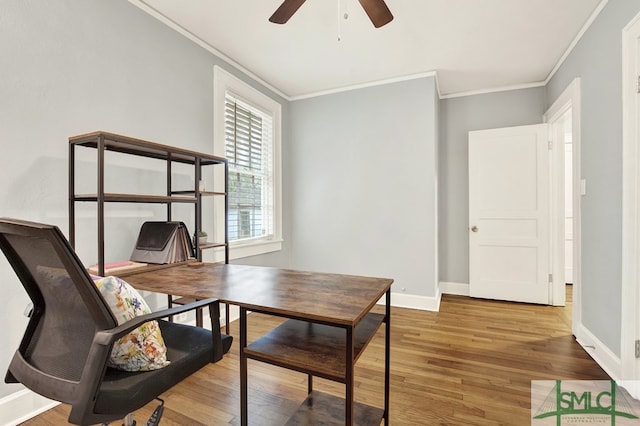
column 469, row 364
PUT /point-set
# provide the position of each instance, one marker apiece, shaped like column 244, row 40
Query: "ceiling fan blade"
column 378, row 12
column 286, row 11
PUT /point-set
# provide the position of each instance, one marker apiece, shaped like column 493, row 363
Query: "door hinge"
column 638, row 85
column 550, row 144
column 637, row 348
column 550, row 278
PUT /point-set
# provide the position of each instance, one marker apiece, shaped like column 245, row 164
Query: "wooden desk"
column 329, row 326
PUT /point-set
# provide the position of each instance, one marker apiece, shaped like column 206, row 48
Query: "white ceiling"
column 472, row 45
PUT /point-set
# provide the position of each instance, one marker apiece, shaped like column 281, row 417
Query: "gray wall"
column 597, row 60
column 458, row 116
column 75, row 66
column 363, row 192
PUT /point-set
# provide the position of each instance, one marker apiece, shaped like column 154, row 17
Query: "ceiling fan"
column 377, row 10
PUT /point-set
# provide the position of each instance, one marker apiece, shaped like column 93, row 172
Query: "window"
column 245, row 224
column 247, row 133
column 248, row 147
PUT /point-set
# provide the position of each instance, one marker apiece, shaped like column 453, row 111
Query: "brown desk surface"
column 321, row 297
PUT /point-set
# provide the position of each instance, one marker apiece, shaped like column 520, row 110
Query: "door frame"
column 630, row 315
column 568, row 100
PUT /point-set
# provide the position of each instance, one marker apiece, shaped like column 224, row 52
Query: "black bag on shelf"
column 163, row 242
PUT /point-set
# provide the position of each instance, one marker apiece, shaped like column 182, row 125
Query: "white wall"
column 597, row 60
column 364, row 184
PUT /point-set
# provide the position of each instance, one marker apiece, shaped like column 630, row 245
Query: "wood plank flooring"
column 469, row 364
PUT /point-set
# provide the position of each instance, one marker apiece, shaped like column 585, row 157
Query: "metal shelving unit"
column 103, row 142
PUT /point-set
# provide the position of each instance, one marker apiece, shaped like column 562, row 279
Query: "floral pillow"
column 143, row 349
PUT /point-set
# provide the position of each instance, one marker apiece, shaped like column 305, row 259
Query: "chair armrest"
column 107, row 337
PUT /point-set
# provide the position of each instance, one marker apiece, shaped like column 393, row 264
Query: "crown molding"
column 188, row 34
column 175, row 26
column 370, row 84
column 577, row 38
column 493, row 90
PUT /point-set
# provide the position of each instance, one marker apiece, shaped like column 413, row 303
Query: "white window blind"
column 249, row 150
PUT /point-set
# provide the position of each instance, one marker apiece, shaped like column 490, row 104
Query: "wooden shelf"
column 314, row 349
column 324, row 409
column 103, row 142
column 135, row 198
column 133, row 146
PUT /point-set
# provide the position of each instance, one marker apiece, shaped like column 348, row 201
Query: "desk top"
column 320, row 297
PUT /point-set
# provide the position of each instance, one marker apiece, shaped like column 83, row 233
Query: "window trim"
column 224, row 82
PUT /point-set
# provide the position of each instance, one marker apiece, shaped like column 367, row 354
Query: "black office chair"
column 63, row 354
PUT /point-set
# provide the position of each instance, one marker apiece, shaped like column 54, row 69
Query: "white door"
column 509, row 214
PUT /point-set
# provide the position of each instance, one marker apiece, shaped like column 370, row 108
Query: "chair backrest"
column 67, row 309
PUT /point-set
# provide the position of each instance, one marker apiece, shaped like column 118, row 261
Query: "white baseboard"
column 23, row 405
column 600, row 353
column 411, row 301
column 461, row 289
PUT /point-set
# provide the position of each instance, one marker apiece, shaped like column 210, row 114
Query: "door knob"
column 474, row 228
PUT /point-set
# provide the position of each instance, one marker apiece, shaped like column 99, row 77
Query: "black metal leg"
column 214, row 316
column 348, row 403
column 387, row 360
column 243, row 367
column 226, row 318
column 170, row 305
column 199, row 317
column 309, row 384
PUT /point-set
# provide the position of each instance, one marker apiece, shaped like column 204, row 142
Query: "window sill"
column 238, row 250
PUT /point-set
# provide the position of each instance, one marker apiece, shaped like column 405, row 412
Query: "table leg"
column 214, row 314
column 243, row 367
column 348, row 402
column 170, row 305
column 387, row 360
column 226, row 318
column 199, row 318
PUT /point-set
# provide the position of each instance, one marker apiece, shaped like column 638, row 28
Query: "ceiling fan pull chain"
column 339, row 20
column 342, row 14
